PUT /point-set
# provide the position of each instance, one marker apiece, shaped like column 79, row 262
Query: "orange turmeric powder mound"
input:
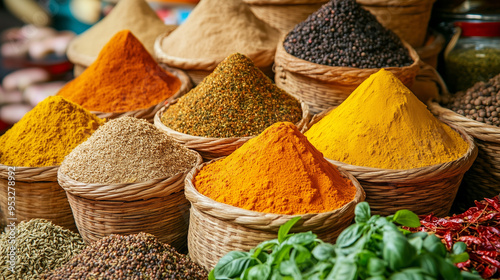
column 278, row 172
column 123, row 78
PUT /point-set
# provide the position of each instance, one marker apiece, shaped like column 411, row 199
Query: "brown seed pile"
column 127, row 150
column 480, row 102
column 138, row 256
column 236, row 100
column 40, row 246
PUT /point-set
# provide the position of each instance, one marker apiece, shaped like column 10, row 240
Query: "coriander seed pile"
column 236, row 100
column 127, row 150
column 137, row 256
column 40, row 246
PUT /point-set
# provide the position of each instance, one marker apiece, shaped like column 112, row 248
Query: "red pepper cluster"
column 479, row 228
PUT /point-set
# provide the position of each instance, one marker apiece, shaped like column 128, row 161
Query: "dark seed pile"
column 138, row 256
column 236, row 100
column 480, row 102
column 342, row 33
column 40, row 246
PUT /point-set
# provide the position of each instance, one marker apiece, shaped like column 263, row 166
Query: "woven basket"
column 198, row 69
column 407, row 18
column 37, row 195
column 321, row 86
column 284, row 14
column 483, row 179
column 149, row 113
column 211, row 148
column 424, row 190
column 157, row 206
column 216, row 228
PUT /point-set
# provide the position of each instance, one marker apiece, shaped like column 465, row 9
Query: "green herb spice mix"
column 236, row 100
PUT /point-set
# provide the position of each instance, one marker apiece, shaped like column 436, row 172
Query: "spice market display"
column 92, row 190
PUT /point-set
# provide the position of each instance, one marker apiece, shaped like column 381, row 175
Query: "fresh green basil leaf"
column 407, row 218
column 459, row 248
column 373, row 219
column 301, row 254
column 470, row 276
column 364, row 256
column 350, row 235
column 359, row 245
column 276, row 275
column 268, row 244
column 463, row 257
column 259, row 272
column 303, row 238
column 324, row 251
column 449, row 271
column 233, row 264
column 280, row 254
column 420, row 234
column 434, row 245
column 417, row 243
column 429, row 264
column 376, row 278
column 409, row 274
column 376, row 267
column 285, row 228
column 362, row 212
column 397, row 251
column 289, row 268
column 318, row 271
column 211, row 275
column 344, row 269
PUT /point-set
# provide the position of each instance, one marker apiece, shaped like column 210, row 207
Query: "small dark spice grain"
column 137, row 256
column 236, row 100
column 342, row 33
column 480, row 102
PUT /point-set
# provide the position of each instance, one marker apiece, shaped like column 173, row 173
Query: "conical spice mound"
column 123, row 78
column 236, row 100
column 278, row 172
column 382, row 124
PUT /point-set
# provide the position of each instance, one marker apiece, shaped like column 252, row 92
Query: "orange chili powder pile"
column 278, row 172
column 123, row 78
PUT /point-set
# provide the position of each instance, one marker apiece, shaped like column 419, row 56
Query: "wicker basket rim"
column 185, row 86
column 114, row 191
column 271, row 221
column 260, row 58
column 31, row 174
column 188, row 137
column 398, row 3
column 324, row 72
column 475, row 128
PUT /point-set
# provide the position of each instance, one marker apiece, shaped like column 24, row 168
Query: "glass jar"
column 475, row 56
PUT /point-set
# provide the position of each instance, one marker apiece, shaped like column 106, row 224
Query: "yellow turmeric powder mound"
column 383, row 125
column 47, row 133
column 278, row 172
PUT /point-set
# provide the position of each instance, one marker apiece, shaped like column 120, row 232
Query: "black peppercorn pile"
column 138, row 256
column 342, row 33
column 480, row 102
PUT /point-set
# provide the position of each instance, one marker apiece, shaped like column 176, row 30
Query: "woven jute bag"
column 149, row 113
column 82, row 61
column 216, row 228
column 212, row 148
column 423, row 190
column 407, row 18
column 36, row 194
column 157, row 206
column 321, row 86
column 198, row 69
column 284, row 14
column 483, row 179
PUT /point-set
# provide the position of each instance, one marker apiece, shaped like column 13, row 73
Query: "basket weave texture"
column 211, row 148
column 216, row 228
column 198, row 69
column 37, row 195
column 483, row 179
column 284, row 14
column 407, row 18
column 149, row 113
column 423, row 190
column 321, row 86
column 157, row 206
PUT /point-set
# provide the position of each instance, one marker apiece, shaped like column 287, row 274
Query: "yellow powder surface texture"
column 382, row 124
column 278, row 172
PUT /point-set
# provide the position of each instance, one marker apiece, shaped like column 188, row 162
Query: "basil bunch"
column 373, row 248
